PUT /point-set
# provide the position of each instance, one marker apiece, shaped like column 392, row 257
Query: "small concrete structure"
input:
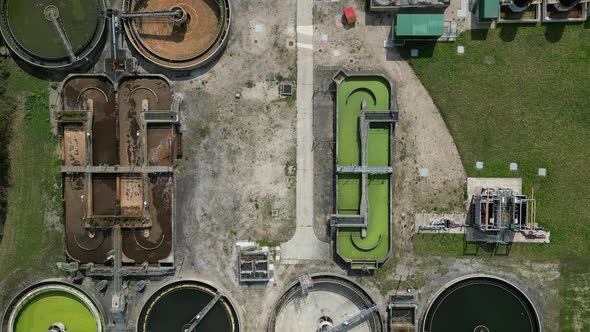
column 423, row 172
column 286, row 89
column 513, row 167
column 402, row 311
column 565, row 10
column 254, row 266
column 519, row 11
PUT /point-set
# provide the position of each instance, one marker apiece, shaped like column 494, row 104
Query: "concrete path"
column 304, row 245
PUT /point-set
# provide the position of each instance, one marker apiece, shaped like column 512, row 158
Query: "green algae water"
column 375, row 90
column 34, row 33
column 52, row 306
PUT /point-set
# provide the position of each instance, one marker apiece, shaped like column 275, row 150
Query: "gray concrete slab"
column 474, row 185
column 304, row 245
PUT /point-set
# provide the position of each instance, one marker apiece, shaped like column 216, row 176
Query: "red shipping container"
column 350, row 15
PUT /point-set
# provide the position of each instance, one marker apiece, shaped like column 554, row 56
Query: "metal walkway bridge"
column 117, row 169
column 367, row 117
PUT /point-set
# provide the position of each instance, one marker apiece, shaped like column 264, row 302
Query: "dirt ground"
column 236, row 181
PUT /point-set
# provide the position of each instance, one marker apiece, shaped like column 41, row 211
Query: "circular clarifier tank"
column 175, row 306
column 520, row 5
column 185, row 41
column 330, row 301
column 568, row 4
column 52, row 33
column 53, row 304
column 481, row 304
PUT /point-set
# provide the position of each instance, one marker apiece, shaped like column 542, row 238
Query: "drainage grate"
column 286, row 89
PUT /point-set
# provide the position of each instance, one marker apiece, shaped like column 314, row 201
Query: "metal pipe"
column 487, row 206
column 114, row 36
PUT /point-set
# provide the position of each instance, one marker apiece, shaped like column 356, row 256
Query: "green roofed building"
column 489, row 10
column 419, row 26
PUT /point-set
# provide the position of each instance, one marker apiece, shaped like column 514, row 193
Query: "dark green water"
column 34, row 33
column 170, row 312
column 489, row 303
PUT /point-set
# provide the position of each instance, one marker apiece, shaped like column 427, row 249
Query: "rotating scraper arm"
column 51, row 13
column 190, row 327
column 354, row 320
column 162, row 13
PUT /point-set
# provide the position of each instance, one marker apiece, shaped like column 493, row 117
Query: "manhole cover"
column 489, row 59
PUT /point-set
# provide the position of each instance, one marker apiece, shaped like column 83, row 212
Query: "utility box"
column 350, row 15
column 416, row 26
column 489, row 10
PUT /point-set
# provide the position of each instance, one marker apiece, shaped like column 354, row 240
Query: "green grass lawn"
column 351, row 93
column 31, row 247
column 530, row 104
column 55, row 306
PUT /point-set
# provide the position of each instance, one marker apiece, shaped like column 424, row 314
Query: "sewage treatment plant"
column 184, row 42
column 53, row 303
column 324, row 303
column 118, row 148
column 488, row 304
column 365, row 118
column 127, row 101
column 173, row 307
column 53, row 34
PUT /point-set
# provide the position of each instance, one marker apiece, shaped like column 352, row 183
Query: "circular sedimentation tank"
column 481, row 304
column 52, row 34
column 187, row 41
column 48, row 304
column 565, row 5
column 520, row 5
column 172, row 307
column 331, row 301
